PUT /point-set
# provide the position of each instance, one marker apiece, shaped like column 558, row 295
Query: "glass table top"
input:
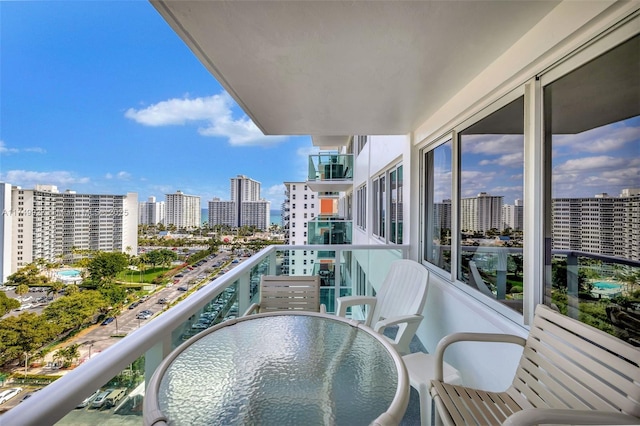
column 280, row 370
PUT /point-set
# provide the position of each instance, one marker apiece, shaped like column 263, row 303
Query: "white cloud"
column 275, row 194
column 108, row 176
column 123, row 175
column 591, row 164
column 28, row 179
column 599, row 140
column 492, row 144
column 515, row 159
column 5, row 150
column 36, row 149
column 214, row 111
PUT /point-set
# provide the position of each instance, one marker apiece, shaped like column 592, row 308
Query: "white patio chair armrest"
column 348, row 301
column 323, row 308
column 470, row 337
column 403, row 319
column 535, row 416
column 252, row 309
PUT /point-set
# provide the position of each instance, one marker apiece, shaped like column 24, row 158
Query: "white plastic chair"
column 399, row 301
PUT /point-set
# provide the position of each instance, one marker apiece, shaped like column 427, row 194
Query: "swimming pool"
column 606, row 286
column 69, row 273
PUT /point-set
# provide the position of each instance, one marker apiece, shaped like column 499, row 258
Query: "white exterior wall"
column 449, row 308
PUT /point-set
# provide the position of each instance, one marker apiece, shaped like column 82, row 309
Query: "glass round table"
column 280, row 368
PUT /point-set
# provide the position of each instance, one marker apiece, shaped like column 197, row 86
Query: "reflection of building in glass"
column 442, row 214
column 512, row 215
column 481, row 213
column 601, row 224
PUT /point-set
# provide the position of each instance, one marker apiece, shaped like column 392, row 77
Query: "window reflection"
column 491, row 206
column 592, row 118
column 438, row 211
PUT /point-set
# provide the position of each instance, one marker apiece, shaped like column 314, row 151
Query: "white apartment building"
column 481, row 213
column 182, row 210
column 301, row 206
column 245, row 207
column 222, row 213
column 6, row 228
column 601, row 224
column 48, row 224
column 243, row 188
column 513, row 215
column 152, row 212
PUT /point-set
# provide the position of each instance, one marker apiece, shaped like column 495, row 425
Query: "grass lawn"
column 147, row 276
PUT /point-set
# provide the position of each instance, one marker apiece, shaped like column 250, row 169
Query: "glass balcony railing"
column 330, row 172
column 329, row 230
column 125, row 367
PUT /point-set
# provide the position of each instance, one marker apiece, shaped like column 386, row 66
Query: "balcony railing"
column 330, row 172
column 131, row 362
column 329, row 230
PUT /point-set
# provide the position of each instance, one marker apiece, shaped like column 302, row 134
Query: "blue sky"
column 103, row 97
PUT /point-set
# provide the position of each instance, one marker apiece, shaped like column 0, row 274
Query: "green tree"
column 22, row 289
column 27, row 332
column 55, row 287
column 28, row 275
column 105, row 266
column 7, row 304
column 75, row 310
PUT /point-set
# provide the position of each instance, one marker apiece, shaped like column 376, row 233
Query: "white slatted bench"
column 569, row 373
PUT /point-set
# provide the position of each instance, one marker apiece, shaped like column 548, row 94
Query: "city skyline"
column 95, row 104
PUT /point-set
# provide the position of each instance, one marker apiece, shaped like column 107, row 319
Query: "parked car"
column 101, row 398
column 134, row 305
column 163, row 301
column 182, row 288
column 29, row 395
column 8, row 394
column 88, row 399
column 146, row 314
column 108, row 321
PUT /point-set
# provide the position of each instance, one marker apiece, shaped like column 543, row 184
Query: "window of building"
column 491, row 177
column 583, row 248
column 592, row 223
column 395, row 224
column 437, row 214
column 305, row 196
column 360, row 142
column 361, row 208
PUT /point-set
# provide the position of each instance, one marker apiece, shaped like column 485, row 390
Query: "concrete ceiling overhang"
column 344, row 68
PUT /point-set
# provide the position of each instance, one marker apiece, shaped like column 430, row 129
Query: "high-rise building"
column 6, row 225
column 182, row 210
column 244, row 189
column 42, row 223
column 481, row 213
column 245, row 207
column 601, row 224
column 513, row 216
column 151, row 212
column 301, row 206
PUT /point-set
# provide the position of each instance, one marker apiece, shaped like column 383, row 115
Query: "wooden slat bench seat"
column 569, row 373
column 285, row 293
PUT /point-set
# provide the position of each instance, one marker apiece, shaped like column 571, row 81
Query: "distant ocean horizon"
column 276, row 216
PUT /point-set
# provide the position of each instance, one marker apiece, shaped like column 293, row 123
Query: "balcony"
column 330, row 172
column 132, row 361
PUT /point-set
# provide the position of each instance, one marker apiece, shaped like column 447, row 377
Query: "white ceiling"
column 335, row 68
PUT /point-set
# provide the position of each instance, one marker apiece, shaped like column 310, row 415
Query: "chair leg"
column 425, row 406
